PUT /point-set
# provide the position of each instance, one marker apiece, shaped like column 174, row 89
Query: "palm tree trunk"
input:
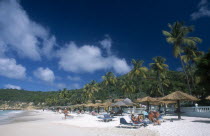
column 192, row 78
column 160, row 84
column 188, row 83
column 178, row 110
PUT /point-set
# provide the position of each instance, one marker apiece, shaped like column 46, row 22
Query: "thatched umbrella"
column 208, row 98
column 117, row 100
column 179, row 96
column 106, row 104
column 147, row 100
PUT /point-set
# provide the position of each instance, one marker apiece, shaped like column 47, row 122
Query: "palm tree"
column 138, row 70
column 128, row 88
column 159, row 67
column 90, row 89
column 64, row 93
column 109, row 79
column 178, row 37
column 191, row 54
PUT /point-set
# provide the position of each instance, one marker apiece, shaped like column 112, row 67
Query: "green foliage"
column 25, row 96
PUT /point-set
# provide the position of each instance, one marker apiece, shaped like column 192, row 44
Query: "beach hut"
column 179, row 96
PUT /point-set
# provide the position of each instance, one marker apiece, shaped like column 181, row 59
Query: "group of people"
column 153, row 116
column 138, row 119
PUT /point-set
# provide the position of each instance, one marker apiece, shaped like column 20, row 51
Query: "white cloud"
column 48, row 48
column 61, row 85
column 203, row 10
column 10, row 69
column 107, row 44
column 120, row 66
column 89, row 58
column 25, row 33
column 74, row 78
column 9, row 86
column 44, row 74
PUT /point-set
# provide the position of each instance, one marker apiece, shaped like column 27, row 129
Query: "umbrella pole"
column 164, row 108
column 147, row 106
column 178, row 110
column 98, row 109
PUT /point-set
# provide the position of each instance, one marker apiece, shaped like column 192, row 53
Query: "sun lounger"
column 124, row 123
column 106, row 118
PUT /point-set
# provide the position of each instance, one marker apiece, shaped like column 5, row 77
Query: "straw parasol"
column 208, row 98
column 146, row 99
column 179, row 96
column 117, row 100
column 106, row 104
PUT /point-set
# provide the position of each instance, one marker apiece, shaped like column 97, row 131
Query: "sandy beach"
column 46, row 123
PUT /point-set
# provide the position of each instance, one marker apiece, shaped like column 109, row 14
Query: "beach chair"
column 106, row 118
column 119, row 112
column 124, row 123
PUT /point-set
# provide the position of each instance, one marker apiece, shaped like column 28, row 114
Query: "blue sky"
column 50, row 45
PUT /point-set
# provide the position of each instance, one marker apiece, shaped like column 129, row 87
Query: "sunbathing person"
column 134, row 119
column 138, row 120
column 153, row 116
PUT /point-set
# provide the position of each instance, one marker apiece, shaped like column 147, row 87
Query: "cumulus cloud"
column 107, row 44
column 74, row 78
column 10, row 69
column 28, row 37
column 44, row 74
column 89, row 58
column 203, row 10
column 9, row 86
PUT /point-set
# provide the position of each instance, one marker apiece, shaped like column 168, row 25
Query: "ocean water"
column 7, row 115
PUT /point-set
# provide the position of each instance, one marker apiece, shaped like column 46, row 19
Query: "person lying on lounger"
column 138, row 120
column 154, row 117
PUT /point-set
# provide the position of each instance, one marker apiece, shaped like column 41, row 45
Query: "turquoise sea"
column 7, row 115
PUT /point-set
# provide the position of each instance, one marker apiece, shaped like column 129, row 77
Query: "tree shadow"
column 202, row 121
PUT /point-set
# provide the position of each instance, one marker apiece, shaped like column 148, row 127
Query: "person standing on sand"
column 65, row 112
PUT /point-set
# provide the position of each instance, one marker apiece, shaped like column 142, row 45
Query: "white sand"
column 188, row 126
column 50, row 124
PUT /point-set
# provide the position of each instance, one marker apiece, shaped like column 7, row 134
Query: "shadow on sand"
column 202, row 121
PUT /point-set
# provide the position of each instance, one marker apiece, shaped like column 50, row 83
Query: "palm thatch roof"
column 117, row 100
column 179, row 96
column 93, row 105
column 146, row 99
column 208, row 98
column 106, row 104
